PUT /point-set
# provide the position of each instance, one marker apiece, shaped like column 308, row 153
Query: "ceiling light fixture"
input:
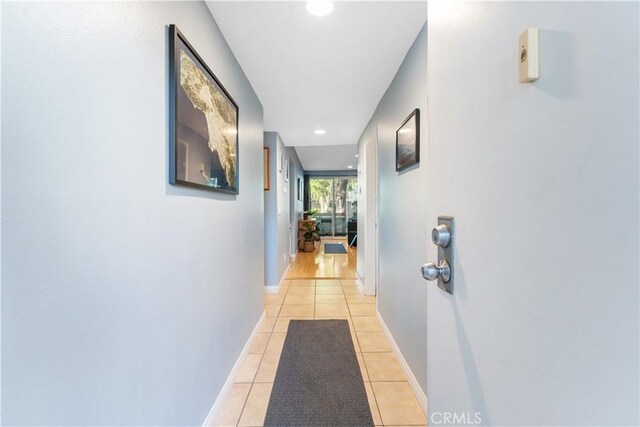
column 319, row 131
column 319, row 7
column 349, row 167
column 357, row 155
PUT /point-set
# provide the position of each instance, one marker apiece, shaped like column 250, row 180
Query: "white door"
column 542, row 179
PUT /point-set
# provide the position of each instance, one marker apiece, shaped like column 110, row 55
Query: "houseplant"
column 311, row 236
column 310, row 212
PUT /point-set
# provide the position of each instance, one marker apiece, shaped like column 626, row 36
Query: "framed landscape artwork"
column 265, row 167
column 203, row 122
column 408, row 142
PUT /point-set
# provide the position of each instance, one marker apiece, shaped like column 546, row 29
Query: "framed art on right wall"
column 408, row 141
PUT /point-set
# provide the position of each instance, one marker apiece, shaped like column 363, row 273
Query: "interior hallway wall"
column 542, row 179
column 402, row 230
column 296, row 208
column 124, row 300
column 276, row 212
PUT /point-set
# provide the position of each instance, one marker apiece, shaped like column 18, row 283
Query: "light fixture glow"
column 319, row 7
column 319, row 131
column 349, row 167
column 357, row 155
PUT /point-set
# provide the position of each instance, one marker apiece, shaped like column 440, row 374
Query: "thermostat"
column 529, row 56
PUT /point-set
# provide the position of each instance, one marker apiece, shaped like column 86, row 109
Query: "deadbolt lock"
column 441, row 235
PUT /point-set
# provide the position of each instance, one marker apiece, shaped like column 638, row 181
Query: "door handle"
column 431, row 271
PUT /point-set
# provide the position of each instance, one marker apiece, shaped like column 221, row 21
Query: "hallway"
column 319, row 265
column 164, row 164
column 391, row 400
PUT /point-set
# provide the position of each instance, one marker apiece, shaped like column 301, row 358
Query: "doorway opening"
column 336, row 201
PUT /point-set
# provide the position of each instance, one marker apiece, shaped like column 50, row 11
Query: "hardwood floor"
column 318, row 265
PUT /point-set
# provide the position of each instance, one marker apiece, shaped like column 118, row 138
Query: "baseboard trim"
column 362, row 286
column 272, row 289
column 413, row 382
column 226, row 388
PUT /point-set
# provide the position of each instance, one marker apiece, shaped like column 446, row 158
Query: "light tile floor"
column 391, row 399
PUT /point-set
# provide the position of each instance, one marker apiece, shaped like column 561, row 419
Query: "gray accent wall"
column 125, row 300
column 402, row 294
column 296, row 204
column 277, row 208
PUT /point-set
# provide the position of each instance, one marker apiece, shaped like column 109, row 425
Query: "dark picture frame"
column 203, row 128
column 299, row 187
column 408, row 142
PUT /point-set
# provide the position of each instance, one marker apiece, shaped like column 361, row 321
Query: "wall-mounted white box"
column 529, row 56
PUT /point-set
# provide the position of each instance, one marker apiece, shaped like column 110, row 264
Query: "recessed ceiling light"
column 319, row 131
column 319, row 7
column 357, row 155
column 349, row 167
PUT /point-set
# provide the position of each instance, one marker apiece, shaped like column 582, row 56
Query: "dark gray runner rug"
column 318, row 381
column 334, row 248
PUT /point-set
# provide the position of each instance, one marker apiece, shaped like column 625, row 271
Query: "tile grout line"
column 365, row 367
column 261, row 359
column 244, row 405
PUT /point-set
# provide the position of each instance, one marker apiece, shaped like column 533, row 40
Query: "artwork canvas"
column 408, row 142
column 286, row 170
column 265, row 167
column 203, row 122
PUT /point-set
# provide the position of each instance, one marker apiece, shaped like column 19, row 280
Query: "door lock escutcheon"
column 442, row 236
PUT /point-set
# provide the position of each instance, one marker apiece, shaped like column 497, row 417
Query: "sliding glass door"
column 335, row 199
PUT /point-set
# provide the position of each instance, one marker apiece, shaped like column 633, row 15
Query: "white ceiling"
column 328, row 158
column 312, row 72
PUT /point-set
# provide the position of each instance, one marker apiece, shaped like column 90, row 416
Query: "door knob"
column 431, row 271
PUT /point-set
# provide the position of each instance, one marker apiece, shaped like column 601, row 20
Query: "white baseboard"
column 413, row 382
column 272, row 289
column 362, row 287
column 236, row 367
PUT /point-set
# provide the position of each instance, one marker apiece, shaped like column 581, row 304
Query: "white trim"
column 413, row 382
column 361, row 286
column 226, row 388
column 272, row 289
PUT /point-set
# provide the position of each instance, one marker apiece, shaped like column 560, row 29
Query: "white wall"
column 366, row 265
column 276, row 213
column 124, row 300
column 402, row 229
column 543, row 181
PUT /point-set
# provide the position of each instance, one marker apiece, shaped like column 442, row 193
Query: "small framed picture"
column 408, row 142
column 265, row 167
column 286, row 170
